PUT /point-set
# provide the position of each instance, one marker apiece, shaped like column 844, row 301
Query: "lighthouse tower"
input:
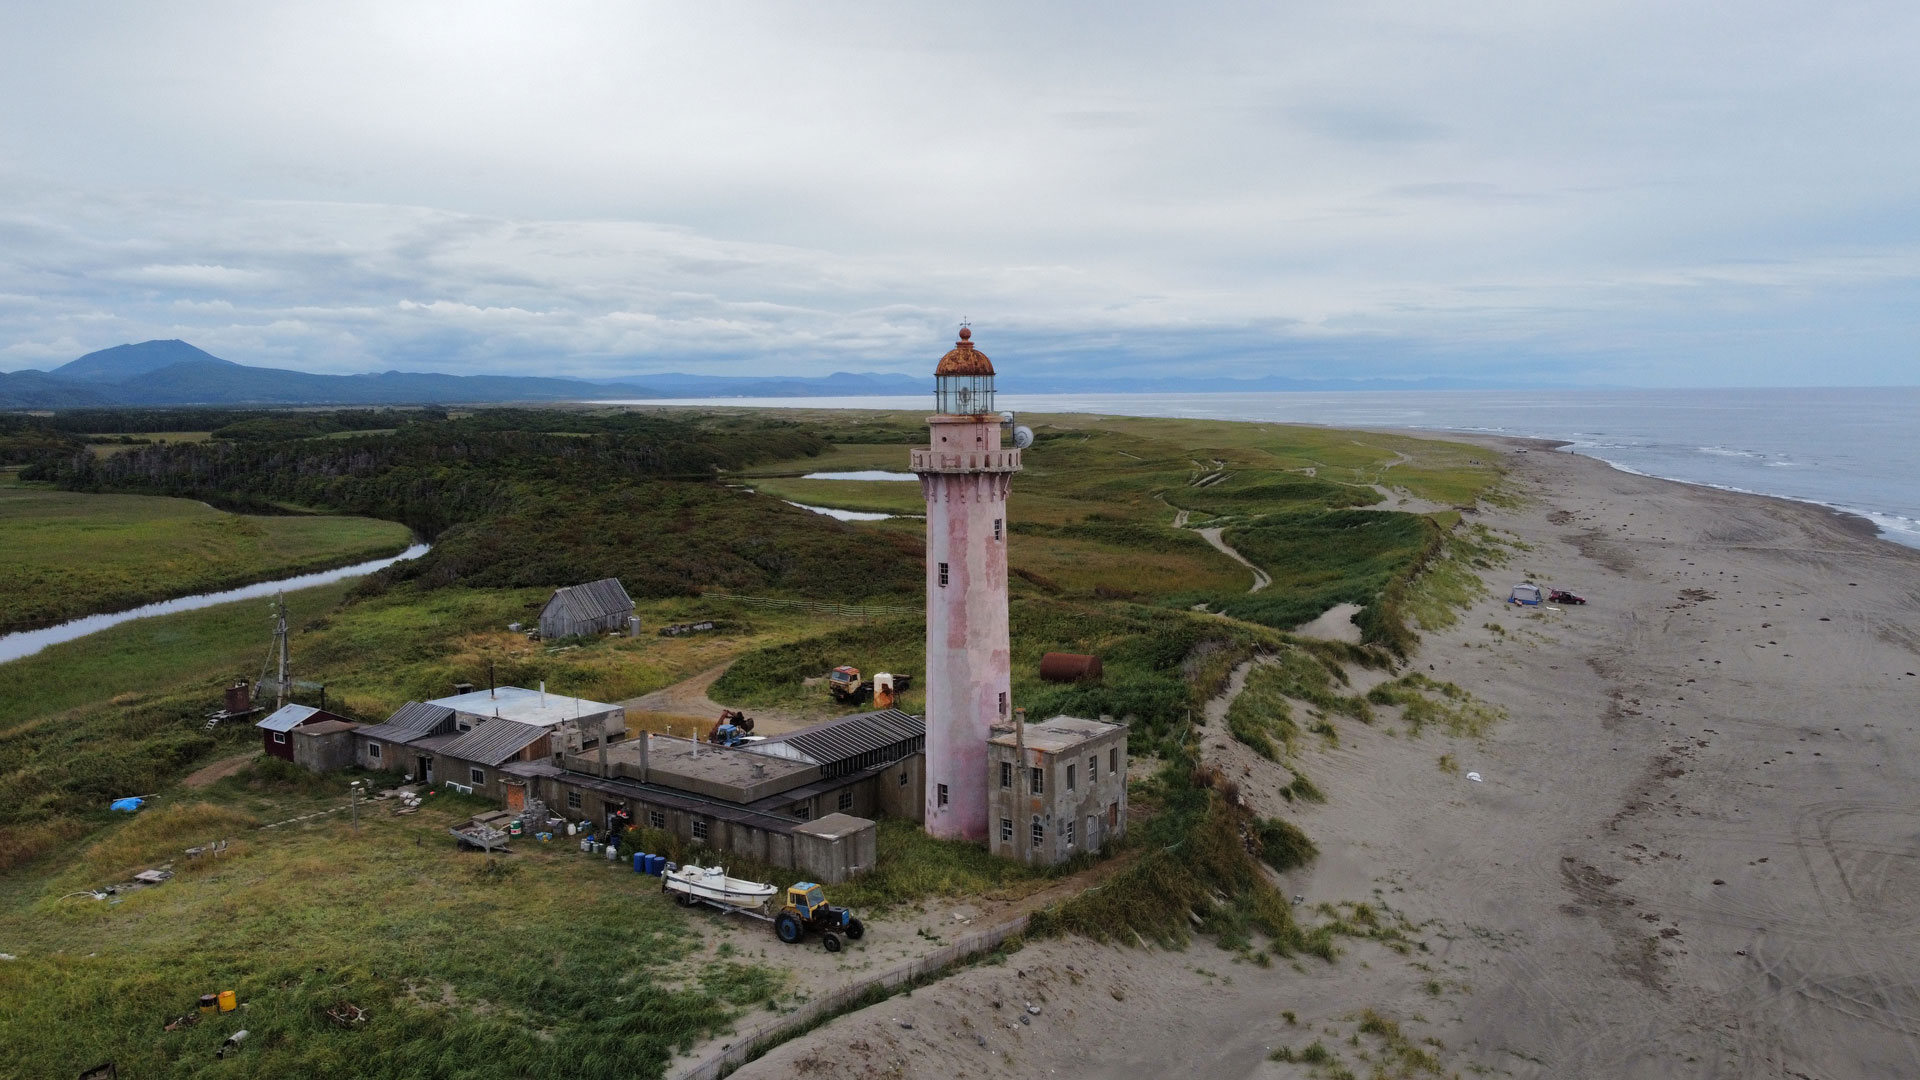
column 964, row 474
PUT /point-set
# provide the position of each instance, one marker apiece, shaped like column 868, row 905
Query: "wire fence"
column 860, row 611
column 755, row 1039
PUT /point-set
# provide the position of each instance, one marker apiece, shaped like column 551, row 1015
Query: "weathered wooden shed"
column 597, row 607
column 275, row 731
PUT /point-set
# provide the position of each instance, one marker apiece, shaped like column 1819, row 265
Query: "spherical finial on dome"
column 964, row 359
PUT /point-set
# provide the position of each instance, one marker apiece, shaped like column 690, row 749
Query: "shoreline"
column 1692, row 850
column 1858, row 522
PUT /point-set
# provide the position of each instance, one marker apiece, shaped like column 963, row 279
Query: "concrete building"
column 1058, row 788
column 324, row 746
column 597, row 607
column 276, row 730
column 805, row 800
column 965, row 475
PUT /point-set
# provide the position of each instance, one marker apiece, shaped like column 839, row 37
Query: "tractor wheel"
column 831, row 941
column 787, row 928
column 856, row 929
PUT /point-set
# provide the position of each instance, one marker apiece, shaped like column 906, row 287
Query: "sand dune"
column 1695, row 852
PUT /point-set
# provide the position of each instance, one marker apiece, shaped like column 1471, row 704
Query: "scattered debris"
column 1474, row 776
column 347, row 1015
column 154, row 877
column 233, row 1042
column 178, row 1022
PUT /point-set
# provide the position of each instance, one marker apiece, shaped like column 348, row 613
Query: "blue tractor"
column 807, row 909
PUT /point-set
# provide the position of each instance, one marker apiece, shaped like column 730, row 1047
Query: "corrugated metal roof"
column 287, row 717
column 591, row 600
column 851, row 736
column 412, row 721
column 491, row 742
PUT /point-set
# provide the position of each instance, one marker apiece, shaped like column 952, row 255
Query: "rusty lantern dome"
column 963, row 383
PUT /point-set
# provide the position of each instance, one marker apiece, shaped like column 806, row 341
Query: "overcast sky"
column 1592, row 193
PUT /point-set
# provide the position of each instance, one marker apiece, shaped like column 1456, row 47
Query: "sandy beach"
column 1694, row 850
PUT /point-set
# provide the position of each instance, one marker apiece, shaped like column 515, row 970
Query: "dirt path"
column 1261, row 579
column 220, row 770
column 688, row 698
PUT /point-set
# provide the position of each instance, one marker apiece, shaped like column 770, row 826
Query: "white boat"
column 711, row 883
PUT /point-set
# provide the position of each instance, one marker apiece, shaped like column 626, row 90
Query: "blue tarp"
column 128, row 804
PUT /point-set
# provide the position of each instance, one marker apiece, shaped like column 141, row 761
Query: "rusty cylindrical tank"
column 239, row 697
column 1069, row 668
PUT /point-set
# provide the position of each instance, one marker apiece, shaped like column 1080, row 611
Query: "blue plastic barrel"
column 639, row 862
column 656, row 864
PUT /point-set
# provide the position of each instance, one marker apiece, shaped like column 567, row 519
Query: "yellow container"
column 209, row 1002
column 228, row 1001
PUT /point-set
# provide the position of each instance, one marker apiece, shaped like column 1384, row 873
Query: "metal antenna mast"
column 284, row 689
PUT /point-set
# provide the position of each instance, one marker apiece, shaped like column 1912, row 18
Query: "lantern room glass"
column 962, row 395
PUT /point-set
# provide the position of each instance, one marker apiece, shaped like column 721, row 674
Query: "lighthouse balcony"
column 928, row 460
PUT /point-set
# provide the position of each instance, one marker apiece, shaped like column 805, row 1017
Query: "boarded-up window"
column 1070, row 769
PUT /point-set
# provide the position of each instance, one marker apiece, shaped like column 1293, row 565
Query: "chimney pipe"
column 646, row 744
column 1020, row 745
column 543, row 693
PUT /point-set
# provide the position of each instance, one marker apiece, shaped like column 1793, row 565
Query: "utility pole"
column 284, row 690
column 354, row 788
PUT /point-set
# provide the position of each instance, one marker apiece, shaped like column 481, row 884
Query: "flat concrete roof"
column 833, row 826
column 521, row 705
column 1060, row 733
column 326, row 727
column 671, row 757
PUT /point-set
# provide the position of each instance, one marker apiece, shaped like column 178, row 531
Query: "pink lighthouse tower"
column 964, row 474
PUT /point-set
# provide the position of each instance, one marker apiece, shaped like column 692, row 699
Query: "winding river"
column 27, row 642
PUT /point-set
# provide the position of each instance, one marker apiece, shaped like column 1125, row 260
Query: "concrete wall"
column 902, row 800
column 964, row 476
column 324, row 752
column 1096, row 809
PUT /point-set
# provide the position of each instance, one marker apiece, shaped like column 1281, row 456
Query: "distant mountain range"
column 176, row 373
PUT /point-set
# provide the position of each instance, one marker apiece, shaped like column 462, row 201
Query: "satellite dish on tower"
column 1022, row 437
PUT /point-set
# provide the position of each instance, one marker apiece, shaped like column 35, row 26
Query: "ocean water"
column 1851, row 449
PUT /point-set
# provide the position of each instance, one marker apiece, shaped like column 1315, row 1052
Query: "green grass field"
column 65, row 554
column 566, row 965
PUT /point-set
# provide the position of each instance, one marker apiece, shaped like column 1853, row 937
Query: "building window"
column 657, row 818
column 802, row 811
column 1006, row 830
column 589, row 744
column 996, row 528
column 699, row 828
column 1093, row 768
column 462, row 725
column 942, row 795
column 1037, row 781
column 477, row 776
column 573, row 800
column 1006, row 774
column 1039, row 833
column 1113, row 760
column 1069, row 832
column 279, row 736
column 1070, row 769
column 1003, row 703
column 943, row 575
column 846, row 798
column 373, row 751
column 903, row 778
